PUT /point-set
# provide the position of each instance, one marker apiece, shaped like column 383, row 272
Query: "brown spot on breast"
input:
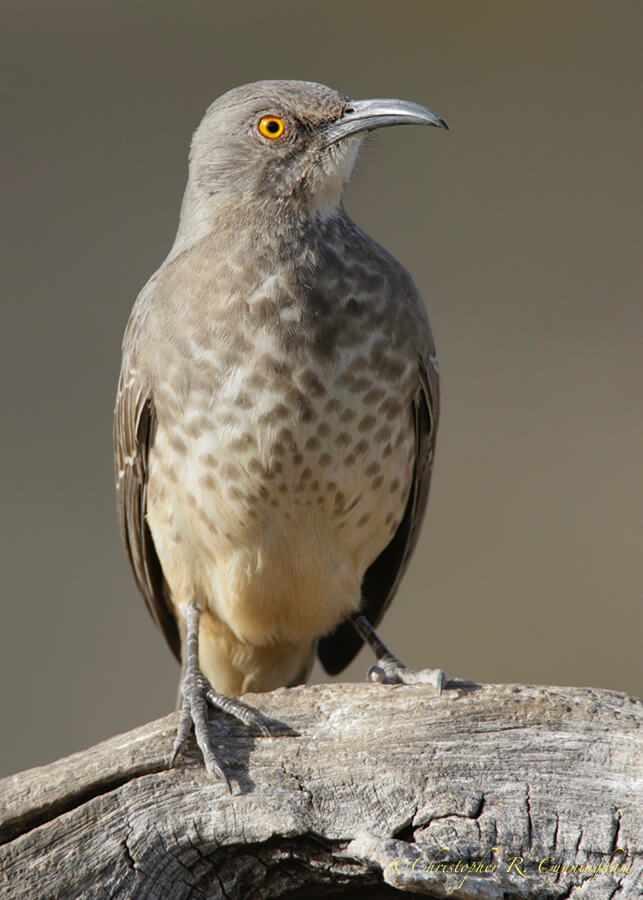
column 285, row 436
column 383, row 434
column 373, row 468
column 205, row 423
column 358, row 363
column 343, row 439
column 273, row 416
column 306, row 474
column 208, row 482
column 348, row 415
column 274, row 366
column 377, row 482
column 392, row 368
column 325, row 460
column 395, row 485
column 243, row 400
column 193, row 429
column 346, row 379
column 230, row 472
column 390, row 408
column 366, row 423
column 256, row 380
column 307, row 413
column 361, row 384
column 177, row 444
column 207, row 521
column 363, row 520
column 312, row 444
column 206, row 373
column 230, row 359
column 243, row 443
column 241, row 344
column 323, row 429
column 255, row 466
column 361, row 446
column 312, row 383
column 297, row 459
column 331, row 486
column 209, row 459
column 333, row 405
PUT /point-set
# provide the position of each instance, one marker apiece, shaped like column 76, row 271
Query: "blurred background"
column 522, row 228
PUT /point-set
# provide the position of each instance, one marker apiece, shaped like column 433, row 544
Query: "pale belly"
column 269, row 515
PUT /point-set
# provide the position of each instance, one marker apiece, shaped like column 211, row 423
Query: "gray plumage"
column 278, row 399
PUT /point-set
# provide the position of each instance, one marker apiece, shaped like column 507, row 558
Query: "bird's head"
column 280, row 144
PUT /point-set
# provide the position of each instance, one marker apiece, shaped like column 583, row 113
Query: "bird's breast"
column 277, row 480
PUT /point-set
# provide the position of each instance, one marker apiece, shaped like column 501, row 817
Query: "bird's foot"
column 389, row 670
column 196, row 694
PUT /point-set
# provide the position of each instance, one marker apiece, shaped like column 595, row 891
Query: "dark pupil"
column 273, row 127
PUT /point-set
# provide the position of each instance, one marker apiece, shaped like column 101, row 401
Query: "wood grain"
column 362, row 787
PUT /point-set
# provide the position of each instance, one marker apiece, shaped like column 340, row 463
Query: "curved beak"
column 367, row 115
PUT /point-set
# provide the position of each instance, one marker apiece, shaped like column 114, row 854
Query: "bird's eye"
column 271, row 127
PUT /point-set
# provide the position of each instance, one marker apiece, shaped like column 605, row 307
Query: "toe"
column 379, row 675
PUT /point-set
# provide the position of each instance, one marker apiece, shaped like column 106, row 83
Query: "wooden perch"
column 366, row 791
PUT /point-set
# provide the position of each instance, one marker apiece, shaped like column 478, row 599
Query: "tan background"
column 522, row 227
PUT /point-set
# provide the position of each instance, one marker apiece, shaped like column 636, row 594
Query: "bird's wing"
column 134, row 428
column 383, row 576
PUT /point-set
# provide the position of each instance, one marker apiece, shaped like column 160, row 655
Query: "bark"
column 367, row 790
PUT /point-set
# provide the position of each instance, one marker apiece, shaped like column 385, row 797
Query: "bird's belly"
column 271, row 514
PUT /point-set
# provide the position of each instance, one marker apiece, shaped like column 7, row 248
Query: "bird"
column 277, row 409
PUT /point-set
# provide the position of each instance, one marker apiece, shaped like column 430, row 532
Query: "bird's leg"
column 196, row 693
column 389, row 669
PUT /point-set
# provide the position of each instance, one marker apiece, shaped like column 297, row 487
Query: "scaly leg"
column 196, row 693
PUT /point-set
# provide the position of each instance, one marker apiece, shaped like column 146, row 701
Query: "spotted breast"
column 284, row 446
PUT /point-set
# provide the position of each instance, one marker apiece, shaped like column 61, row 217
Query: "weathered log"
column 365, row 790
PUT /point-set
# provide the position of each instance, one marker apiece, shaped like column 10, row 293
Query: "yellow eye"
column 271, row 127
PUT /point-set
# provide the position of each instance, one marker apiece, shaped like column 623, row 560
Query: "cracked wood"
column 362, row 786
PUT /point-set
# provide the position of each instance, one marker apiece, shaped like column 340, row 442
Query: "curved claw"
column 246, row 714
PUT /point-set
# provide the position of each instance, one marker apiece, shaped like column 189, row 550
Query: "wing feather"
column 134, row 428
